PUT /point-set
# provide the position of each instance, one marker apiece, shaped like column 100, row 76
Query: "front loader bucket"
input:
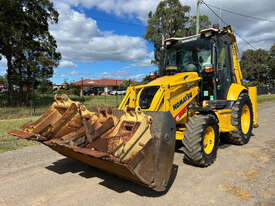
column 132, row 144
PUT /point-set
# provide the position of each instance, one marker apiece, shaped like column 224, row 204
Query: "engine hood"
column 179, row 77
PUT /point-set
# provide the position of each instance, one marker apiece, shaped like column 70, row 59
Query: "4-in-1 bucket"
column 132, row 144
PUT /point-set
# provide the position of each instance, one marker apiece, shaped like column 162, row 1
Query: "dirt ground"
column 241, row 175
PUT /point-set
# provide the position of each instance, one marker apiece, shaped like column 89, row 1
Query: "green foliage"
column 26, row 42
column 257, row 66
column 72, row 89
column 271, row 62
column 204, row 24
column 45, row 87
column 61, row 91
column 171, row 19
column 265, row 98
column 125, row 84
column 146, row 79
column 3, row 79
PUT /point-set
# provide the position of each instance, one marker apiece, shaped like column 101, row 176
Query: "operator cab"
column 187, row 55
column 209, row 54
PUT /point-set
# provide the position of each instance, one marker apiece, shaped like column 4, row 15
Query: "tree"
column 3, row 79
column 254, row 64
column 171, row 19
column 125, row 84
column 26, row 42
column 204, row 24
column 271, row 62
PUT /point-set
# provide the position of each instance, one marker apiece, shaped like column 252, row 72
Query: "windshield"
column 188, row 56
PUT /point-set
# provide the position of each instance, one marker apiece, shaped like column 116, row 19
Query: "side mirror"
column 208, row 68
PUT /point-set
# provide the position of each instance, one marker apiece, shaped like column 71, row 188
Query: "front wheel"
column 242, row 119
column 201, row 140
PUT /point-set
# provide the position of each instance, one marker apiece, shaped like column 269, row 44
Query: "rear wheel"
column 242, row 119
column 201, row 140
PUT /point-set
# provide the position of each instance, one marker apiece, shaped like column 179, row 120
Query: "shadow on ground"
column 110, row 181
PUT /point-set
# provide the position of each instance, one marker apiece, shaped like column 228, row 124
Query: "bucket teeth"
column 127, row 143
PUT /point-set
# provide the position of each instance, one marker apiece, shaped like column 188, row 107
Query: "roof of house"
column 98, row 82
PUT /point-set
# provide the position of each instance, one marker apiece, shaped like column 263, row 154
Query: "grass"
column 42, row 103
column 20, row 112
column 266, row 98
column 9, row 142
column 14, row 117
column 104, row 101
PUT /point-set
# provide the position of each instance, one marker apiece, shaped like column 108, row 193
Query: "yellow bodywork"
column 138, row 142
column 209, row 140
column 181, row 87
column 252, row 91
column 180, row 90
column 183, row 90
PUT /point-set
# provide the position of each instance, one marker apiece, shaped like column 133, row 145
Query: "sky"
column 104, row 38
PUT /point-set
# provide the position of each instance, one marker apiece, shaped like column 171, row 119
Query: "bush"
column 44, row 88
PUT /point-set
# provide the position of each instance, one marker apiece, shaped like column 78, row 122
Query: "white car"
column 2, row 90
column 115, row 92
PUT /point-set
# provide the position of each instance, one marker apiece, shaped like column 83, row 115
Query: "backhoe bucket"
column 132, row 144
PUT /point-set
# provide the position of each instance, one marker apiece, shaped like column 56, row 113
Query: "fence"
column 39, row 103
column 265, row 90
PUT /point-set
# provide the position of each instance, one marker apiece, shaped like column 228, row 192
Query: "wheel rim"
column 209, row 140
column 245, row 119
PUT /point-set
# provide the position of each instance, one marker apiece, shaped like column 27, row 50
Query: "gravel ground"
column 241, row 175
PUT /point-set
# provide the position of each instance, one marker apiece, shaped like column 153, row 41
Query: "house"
column 106, row 84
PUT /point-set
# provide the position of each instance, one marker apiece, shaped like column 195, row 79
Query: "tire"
column 243, row 122
column 198, row 129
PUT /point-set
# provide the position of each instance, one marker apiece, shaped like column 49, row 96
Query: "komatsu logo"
column 182, row 101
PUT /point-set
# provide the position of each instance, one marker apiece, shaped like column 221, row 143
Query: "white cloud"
column 3, row 66
column 122, row 75
column 74, row 73
column 138, row 8
column 3, row 63
column 259, row 33
column 137, row 77
column 80, row 40
column 115, row 47
column 115, row 75
column 67, row 64
column 147, row 62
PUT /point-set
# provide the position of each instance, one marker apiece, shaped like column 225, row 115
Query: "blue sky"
column 112, row 44
column 104, row 38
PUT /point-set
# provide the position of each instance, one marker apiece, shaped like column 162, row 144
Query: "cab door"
column 224, row 65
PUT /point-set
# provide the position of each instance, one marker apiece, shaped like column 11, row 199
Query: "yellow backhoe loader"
column 197, row 95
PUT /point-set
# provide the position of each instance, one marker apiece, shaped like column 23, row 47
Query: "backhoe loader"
column 198, row 95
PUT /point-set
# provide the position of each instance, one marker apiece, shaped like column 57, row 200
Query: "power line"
column 246, row 41
column 243, row 15
column 214, row 13
column 227, row 24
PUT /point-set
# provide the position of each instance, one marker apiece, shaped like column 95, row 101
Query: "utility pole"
column 198, row 17
column 81, row 91
column 220, row 22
